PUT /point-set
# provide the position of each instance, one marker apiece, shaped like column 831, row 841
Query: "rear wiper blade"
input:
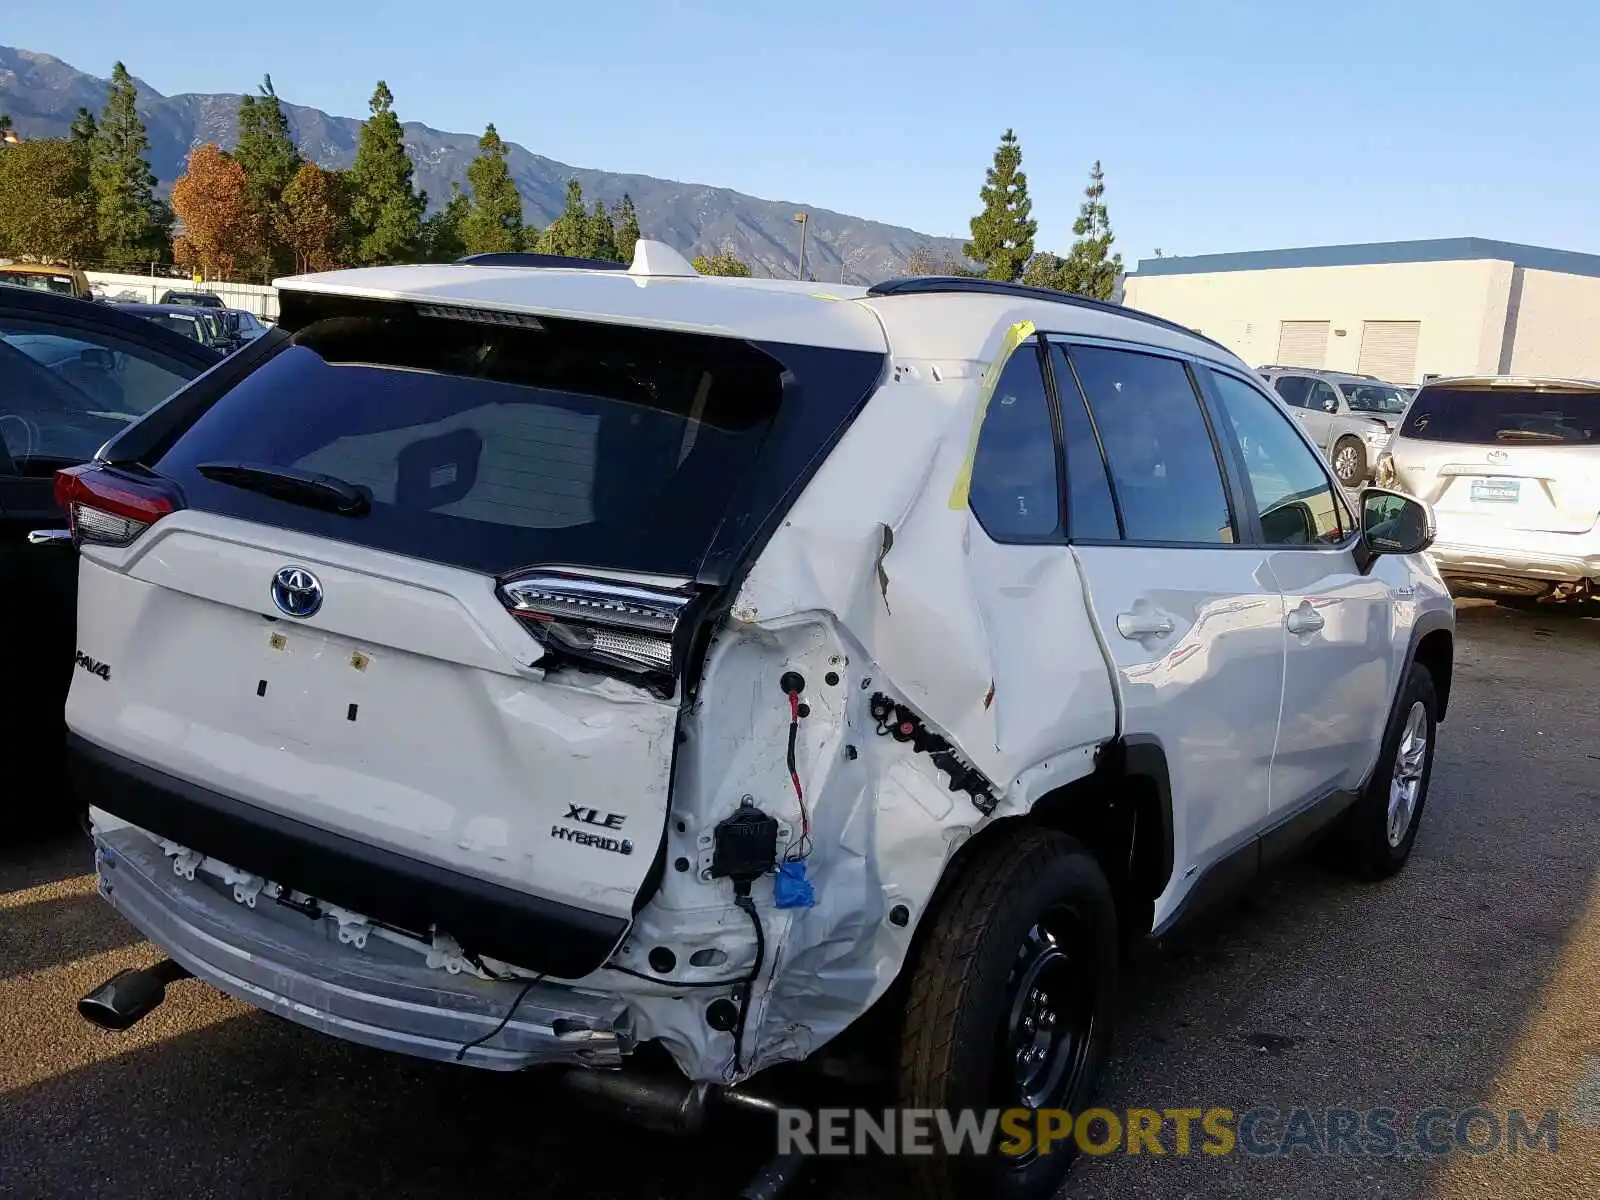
column 306, row 488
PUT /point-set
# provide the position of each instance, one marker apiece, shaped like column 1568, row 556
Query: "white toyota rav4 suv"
column 522, row 666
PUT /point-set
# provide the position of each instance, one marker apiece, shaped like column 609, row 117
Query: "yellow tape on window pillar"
column 1015, row 336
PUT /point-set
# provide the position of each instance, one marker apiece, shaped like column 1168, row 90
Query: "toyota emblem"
column 296, row 592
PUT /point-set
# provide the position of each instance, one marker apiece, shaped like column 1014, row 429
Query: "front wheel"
column 1375, row 836
column 1350, row 461
column 1010, row 1005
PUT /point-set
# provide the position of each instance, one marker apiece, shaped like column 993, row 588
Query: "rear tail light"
column 1384, row 475
column 106, row 508
column 627, row 627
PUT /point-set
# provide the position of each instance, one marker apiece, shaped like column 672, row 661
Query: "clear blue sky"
column 1222, row 124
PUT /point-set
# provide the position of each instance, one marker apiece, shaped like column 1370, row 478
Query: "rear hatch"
column 1508, row 455
column 429, row 580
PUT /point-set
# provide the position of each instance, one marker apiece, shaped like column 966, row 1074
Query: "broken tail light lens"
column 105, row 508
column 628, row 627
column 1384, row 475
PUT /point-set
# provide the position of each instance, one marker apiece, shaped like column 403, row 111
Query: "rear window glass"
column 1503, row 416
column 493, row 447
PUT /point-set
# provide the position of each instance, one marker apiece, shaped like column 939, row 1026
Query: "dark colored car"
column 192, row 299
column 201, row 325
column 72, row 374
column 244, row 326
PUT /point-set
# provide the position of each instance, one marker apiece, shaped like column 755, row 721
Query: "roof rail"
column 928, row 285
column 519, row 258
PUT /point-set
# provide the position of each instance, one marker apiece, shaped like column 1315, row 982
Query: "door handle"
column 1137, row 626
column 49, row 537
column 1304, row 619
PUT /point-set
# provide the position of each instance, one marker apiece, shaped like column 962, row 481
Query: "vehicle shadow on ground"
column 35, row 851
column 257, row 1107
column 51, row 932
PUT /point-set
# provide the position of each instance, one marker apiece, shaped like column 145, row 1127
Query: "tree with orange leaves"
column 315, row 218
column 219, row 225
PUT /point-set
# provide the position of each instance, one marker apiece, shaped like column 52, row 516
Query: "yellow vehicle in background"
column 47, row 277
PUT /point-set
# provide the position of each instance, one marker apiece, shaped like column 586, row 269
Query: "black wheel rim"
column 1049, row 1016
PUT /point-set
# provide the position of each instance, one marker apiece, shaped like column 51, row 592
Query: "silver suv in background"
column 1351, row 417
column 1511, row 467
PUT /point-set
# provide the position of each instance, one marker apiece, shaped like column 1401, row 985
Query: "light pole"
column 802, row 218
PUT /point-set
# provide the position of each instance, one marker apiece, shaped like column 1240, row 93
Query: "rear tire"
column 1350, row 461
column 1010, row 1004
column 1375, row 836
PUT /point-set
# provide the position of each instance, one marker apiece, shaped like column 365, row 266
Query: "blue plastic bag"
column 792, row 889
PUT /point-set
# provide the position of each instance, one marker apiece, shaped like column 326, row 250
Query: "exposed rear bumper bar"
column 541, row 935
column 1533, row 560
column 382, row 996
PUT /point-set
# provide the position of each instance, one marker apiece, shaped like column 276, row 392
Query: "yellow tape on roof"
column 1015, row 336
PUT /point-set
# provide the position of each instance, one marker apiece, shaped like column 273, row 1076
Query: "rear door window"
column 496, row 446
column 1504, row 416
column 1163, row 464
column 1293, row 389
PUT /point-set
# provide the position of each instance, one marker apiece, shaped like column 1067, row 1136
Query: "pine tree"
column 82, row 134
column 386, row 210
column 627, row 233
column 128, row 218
column 1091, row 270
column 568, row 234
column 266, row 152
column 600, row 235
column 1046, row 270
column 443, row 234
column 1002, row 234
column 494, row 218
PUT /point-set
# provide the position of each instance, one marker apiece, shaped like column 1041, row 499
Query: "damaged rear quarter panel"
column 875, row 576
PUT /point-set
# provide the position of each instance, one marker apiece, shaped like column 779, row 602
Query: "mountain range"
column 41, row 93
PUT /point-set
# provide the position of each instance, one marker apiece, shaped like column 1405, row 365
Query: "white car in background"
column 529, row 666
column 1511, row 467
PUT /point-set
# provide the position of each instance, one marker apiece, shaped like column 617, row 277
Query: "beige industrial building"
column 1403, row 311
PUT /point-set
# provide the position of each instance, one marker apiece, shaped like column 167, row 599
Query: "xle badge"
column 94, row 666
column 593, row 816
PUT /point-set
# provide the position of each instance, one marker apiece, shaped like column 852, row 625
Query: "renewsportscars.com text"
column 1260, row 1132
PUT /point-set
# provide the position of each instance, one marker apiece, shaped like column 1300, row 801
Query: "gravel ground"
column 1471, row 979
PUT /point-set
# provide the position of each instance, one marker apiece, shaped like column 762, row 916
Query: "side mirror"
column 1330, row 405
column 99, row 358
column 1394, row 523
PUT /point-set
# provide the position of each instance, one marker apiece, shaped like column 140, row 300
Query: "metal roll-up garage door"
column 1302, row 343
column 1389, row 350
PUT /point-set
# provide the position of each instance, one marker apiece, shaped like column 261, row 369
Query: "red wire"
column 794, row 774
